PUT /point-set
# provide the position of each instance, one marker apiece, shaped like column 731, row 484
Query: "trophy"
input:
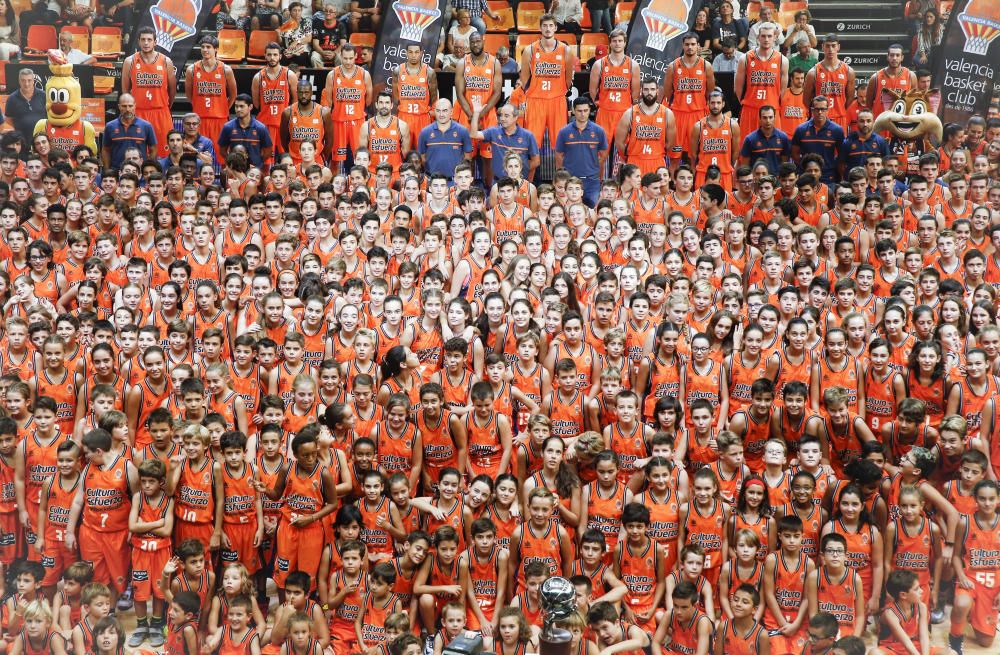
column 558, row 600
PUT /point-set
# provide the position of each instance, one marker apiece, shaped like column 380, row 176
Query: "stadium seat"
column 41, row 38
column 106, row 42
column 103, row 85
column 363, row 39
column 258, row 42
column 492, row 43
column 623, row 12
column 589, row 43
column 506, row 22
column 529, row 16
column 232, row 45
column 570, row 40
column 81, row 36
column 786, row 16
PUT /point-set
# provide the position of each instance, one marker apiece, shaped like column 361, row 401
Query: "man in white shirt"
column 74, row 55
column 766, row 16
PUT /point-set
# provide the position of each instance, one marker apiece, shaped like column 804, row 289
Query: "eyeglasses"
column 834, row 551
column 192, row 123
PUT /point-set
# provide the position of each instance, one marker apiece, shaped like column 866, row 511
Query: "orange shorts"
column 545, row 115
column 684, row 121
column 647, row 165
column 472, row 621
column 345, row 137
column 608, row 120
column 146, row 567
column 210, row 129
column 162, row 123
column 750, row 120
column 415, row 122
column 109, row 553
column 792, row 645
column 56, row 558
column 241, row 546
column 342, row 642
column 10, row 536
column 479, row 148
column 184, row 530
column 297, row 549
column 982, row 616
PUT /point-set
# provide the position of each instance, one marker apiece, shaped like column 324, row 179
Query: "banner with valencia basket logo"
column 177, row 23
column 967, row 60
column 654, row 35
column 407, row 22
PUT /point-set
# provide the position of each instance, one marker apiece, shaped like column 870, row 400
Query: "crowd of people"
column 735, row 377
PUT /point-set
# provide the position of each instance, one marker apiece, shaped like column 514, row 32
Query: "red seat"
column 41, row 38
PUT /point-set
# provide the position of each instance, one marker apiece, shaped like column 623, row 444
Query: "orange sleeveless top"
column 763, row 80
column 614, row 91
column 716, row 146
column 548, row 72
column 240, row 496
column 349, row 95
column 414, row 94
column 645, row 138
column 689, row 88
column 149, row 83
column 275, row 96
column 195, row 497
column 208, row 94
column 107, row 500
column 305, row 127
column 384, row 143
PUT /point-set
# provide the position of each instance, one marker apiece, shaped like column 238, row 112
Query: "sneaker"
column 125, row 600
column 139, row 636
column 955, row 643
column 937, row 616
column 429, row 645
column 156, row 639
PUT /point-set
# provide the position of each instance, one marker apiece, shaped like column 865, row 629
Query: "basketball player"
column 149, row 77
column 687, row 81
column 894, row 77
column 761, row 78
column 415, row 92
column 384, row 135
column 211, row 87
column 646, row 130
column 832, row 78
column 274, row 89
column 478, row 78
column 348, row 88
column 306, row 121
column 614, row 84
column 715, row 141
column 546, row 75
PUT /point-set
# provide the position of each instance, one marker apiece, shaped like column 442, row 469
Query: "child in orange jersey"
column 309, row 493
column 151, row 522
column 243, row 518
column 66, row 606
column 753, row 425
column 565, row 404
column 488, row 433
column 602, row 583
column 702, row 520
column 182, row 629
column 59, row 382
column 346, row 597
column 236, row 636
column 865, row 552
column 436, row 583
column 976, row 562
column 193, row 574
column 28, row 578
column 381, row 522
column 452, row 625
column 298, row 603
column 744, row 568
column 686, row 629
column 753, row 512
column 604, row 499
column 378, row 603
column 10, row 529
column 37, row 636
column 95, row 601
column 784, row 579
column 904, row 625
column 835, row 588
column 197, row 483
column 743, row 633
column 482, row 572
column 626, row 435
column 223, row 399
column 640, row 563
column 109, row 637
column 234, row 584
column 54, row 507
column 612, row 632
column 102, row 505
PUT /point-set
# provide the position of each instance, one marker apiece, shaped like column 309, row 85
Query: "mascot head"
column 62, row 92
column 911, row 116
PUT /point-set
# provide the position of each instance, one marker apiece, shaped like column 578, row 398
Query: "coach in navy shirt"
column 766, row 143
column 505, row 138
column 582, row 148
column 443, row 144
column 821, row 136
column 246, row 131
column 863, row 143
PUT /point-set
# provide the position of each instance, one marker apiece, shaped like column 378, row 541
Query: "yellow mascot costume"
column 63, row 106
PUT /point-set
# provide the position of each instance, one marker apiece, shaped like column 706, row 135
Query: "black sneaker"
column 955, row 643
